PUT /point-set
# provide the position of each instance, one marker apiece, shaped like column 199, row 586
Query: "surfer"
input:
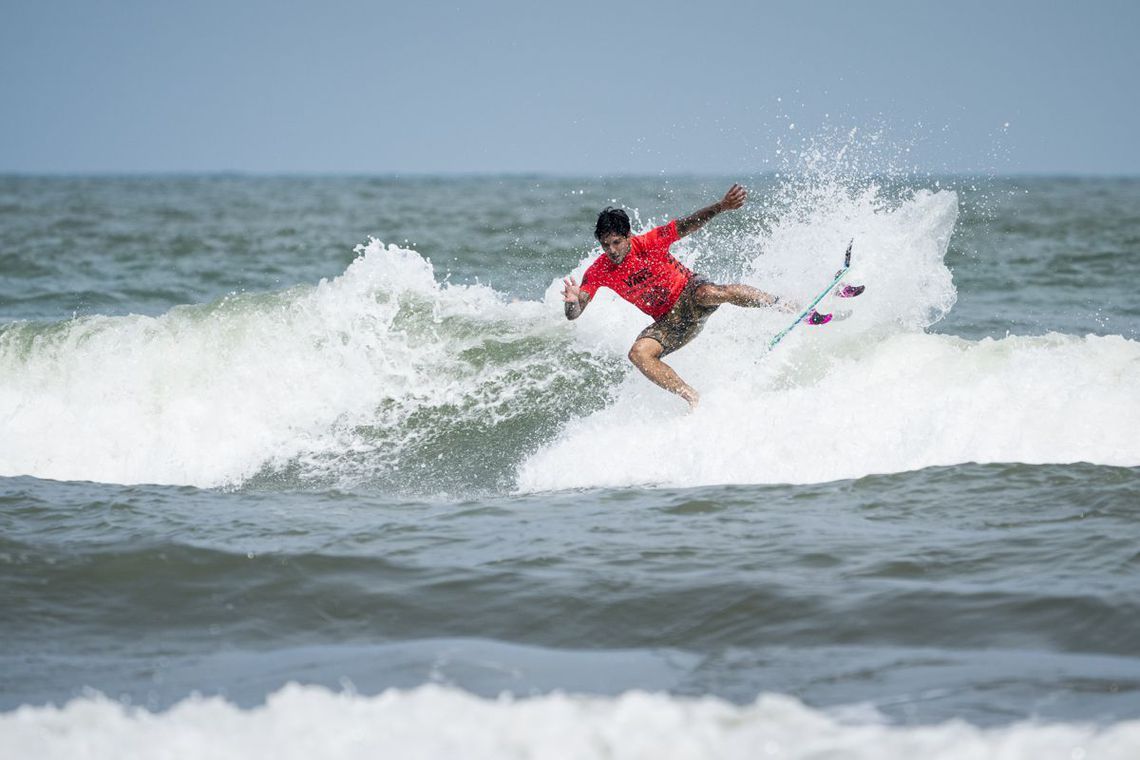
column 641, row 270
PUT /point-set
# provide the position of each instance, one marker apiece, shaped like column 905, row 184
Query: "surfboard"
column 810, row 315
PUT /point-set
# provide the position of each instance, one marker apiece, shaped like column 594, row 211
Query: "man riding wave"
column 641, row 270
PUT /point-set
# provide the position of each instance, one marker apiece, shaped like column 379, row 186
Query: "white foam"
column 208, row 395
column 872, row 394
column 438, row 722
column 905, row 402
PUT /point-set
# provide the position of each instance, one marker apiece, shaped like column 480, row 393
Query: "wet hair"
column 611, row 220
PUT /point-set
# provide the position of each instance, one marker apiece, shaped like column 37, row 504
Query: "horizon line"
column 396, row 175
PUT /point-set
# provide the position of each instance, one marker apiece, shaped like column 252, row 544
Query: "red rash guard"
column 648, row 277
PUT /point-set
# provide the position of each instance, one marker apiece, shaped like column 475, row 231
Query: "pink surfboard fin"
column 815, row 318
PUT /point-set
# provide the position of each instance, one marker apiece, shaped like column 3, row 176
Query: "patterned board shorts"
column 683, row 322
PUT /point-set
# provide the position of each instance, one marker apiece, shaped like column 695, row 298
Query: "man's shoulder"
column 657, row 238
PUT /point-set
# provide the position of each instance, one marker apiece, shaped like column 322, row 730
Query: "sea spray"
column 873, row 394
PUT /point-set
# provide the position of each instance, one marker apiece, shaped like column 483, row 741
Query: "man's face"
column 616, row 246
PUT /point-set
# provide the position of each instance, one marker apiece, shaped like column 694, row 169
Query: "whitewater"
column 303, row 722
column 342, row 382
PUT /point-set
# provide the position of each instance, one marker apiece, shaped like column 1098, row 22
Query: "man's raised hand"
column 734, row 198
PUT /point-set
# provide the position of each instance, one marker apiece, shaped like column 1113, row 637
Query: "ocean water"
column 316, row 467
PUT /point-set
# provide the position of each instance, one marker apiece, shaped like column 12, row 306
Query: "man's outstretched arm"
column 733, row 199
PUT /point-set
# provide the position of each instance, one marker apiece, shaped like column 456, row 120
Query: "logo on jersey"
column 638, row 277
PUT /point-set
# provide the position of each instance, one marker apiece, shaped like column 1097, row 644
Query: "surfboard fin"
column 849, row 291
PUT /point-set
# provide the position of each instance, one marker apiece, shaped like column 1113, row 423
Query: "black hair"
column 611, row 220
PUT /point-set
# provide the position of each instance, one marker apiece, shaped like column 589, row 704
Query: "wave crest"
column 434, row 721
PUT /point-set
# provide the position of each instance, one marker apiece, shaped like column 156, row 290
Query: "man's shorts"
column 683, row 322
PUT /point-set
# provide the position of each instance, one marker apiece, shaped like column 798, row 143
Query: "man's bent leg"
column 646, row 356
column 736, row 294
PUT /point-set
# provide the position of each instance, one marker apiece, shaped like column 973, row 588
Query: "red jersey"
column 648, row 277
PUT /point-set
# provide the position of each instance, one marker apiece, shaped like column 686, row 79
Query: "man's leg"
column 710, row 294
column 646, row 356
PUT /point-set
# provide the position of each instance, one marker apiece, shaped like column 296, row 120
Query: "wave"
column 435, row 721
column 386, row 377
column 379, row 373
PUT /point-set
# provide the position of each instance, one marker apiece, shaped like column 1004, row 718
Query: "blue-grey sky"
column 580, row 87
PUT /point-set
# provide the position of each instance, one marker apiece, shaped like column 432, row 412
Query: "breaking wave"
column 387, row 377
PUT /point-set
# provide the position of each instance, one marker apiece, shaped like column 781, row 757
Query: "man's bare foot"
column 691, row 396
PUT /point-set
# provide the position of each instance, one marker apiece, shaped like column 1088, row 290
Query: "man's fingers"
column 569, row 288
column 735, row 196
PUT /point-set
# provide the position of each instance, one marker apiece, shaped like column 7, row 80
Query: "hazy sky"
column 576, row 87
